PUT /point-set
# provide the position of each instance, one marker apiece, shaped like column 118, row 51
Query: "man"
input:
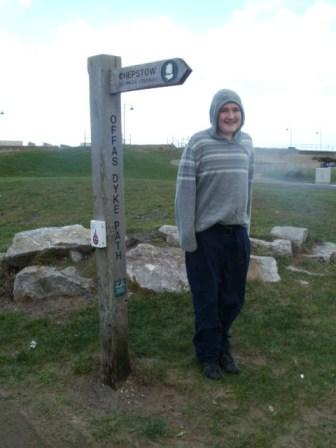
column 212, row 205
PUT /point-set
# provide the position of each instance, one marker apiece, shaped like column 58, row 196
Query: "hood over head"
column 222, row 97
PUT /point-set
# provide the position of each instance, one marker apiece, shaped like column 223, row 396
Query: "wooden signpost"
column 107, row 80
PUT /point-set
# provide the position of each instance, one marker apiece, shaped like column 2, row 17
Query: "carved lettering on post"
column 108, row 194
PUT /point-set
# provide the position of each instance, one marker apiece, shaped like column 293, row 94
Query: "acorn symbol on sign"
column 95, row 238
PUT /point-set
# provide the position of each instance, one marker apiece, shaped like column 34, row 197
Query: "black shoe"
column 213, row 371
column 228, row 364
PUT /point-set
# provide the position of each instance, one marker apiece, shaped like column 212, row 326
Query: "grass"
column 285, row 396
column 61, row 340
column 115, row 427
column 284, row 205
column 40, row 189
column 296, row 174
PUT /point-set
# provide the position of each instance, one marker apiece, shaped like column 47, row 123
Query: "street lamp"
column 320, row 134
column 130, row 107
column 290, row 130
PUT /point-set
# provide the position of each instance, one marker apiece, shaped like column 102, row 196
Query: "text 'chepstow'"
column 141, row 73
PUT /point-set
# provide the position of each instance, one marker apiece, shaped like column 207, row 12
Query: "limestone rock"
column 324, row 252
column 76, row 256
column 171, row 234
column 297, row 235
column 163, row 269
column 157, row 268
column 264, row 269
column 47, row 240
column 303, row 271
column 276, row 247
column 43, row 282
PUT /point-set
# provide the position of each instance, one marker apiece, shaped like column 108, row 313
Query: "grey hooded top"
column 214, row 178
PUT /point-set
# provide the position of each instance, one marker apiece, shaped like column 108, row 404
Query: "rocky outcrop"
column 264, row 269
column 43, row 282
column 152, row 267
column 277, row 247
column 324, row 252
column 162, row 268
column 53, row 240
column 157, row 268
column 297, row 235
column 170, row 233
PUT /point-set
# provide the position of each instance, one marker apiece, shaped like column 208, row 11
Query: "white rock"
column 171, row 234
column 264, row 269
column 168, row 229
column 29, row 243
column 163, row 268
column 324, row 252
column 277, row 247
column 298, row 235
column 42, row 282
column 303, row 271
column 157, row 268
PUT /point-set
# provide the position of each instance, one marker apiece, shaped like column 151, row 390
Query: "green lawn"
column 284, row 339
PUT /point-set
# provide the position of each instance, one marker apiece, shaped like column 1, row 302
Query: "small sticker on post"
column 120, row 287
column 98, row 233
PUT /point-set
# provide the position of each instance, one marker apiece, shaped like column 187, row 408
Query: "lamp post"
column 130, row 107
column 319, row 132
column 2, row 112
column 290, row 130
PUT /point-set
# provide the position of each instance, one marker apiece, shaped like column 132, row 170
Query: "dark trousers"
column 217, row 273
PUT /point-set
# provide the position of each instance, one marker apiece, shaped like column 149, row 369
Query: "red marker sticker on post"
column 98, row 233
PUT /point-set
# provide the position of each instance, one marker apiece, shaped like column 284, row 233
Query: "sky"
column 279, row 55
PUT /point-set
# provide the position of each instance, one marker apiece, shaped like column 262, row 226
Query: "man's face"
column 229, row 119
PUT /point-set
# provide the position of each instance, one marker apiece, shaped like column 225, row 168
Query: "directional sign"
column 107, row 80
column 169, row 72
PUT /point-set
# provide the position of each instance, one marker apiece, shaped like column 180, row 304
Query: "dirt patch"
column 80, row 412
column 132, row 397
column 66, row 413
column 314, row 425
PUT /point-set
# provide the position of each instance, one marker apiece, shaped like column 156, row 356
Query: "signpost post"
column 107, row 80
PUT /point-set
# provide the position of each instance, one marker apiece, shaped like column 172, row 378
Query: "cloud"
column 279, row 60
column 282, row 66
column 26, row 3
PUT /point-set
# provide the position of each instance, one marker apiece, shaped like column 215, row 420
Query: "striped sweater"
column 214, row 179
